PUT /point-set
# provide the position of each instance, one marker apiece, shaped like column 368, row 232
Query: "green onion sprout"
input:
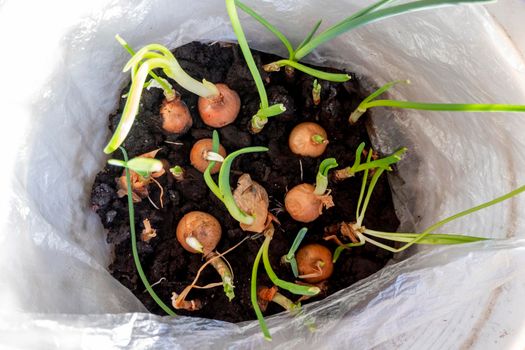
column 291, row 287
column 169, row 92
column 134, row 249
column 177, row 172
column 253, row 295
column 263, row 112
column 321, row 181
column 290, row 257
column 426, row 237
column 291, row 62
column 316, row 92
column 370, row 102
column 141, row 165
column 151, row 57
column 383, row 163
column 223, row 189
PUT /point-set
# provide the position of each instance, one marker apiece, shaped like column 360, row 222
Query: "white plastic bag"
column 55, row 291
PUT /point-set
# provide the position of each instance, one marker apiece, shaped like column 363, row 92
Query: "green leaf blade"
column 353, row 22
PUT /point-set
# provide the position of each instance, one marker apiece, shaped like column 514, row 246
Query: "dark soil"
column 276, row 170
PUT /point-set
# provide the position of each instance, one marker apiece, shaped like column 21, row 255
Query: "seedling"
column 290, row 257
column 148, row 232
column 144, row 170
column 218, row 105
column 371, row 101
column 305, row 202
column 161, row 83
column 222, row 190
column 141, row 168
column 383, row 163
column 291, row 287
column 202, row 154
column 219, row 262
column 177, row 172
column 308, row 139
column 260, row 119
column 360, row 235
column 314, row 262
column 316, row 92
column 200, row 232
column 175, row 114
column 141, row 165
column 291, row 63
column 267, row 295
column 370, row 14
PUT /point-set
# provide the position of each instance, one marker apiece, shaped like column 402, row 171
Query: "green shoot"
column 177, row 172
column 363, row 185
column 169, row 92
column 339, row 250
column 243, row 43
column 369, row 9
column 335, row 77
column 225, row 272
column 267, row 24
column 426, row 237
column 308, row 37
column 428, row 232
column 383, row 163
column 370, row 14
column 374, row 14
column 321, row 181
column 207, row 173
column 316, row 92
column 290, row 257
column 291, row 61
column 223, row 189
column 141, row 165
column 435, row 238
column 260, row 119
column 370, row 102
column 151, row 57
column 291, row 287
column 253, row 296
column 287, row 304
column 373, row 182
column 134, row 249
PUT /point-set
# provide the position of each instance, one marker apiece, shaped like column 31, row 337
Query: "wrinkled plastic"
column 55, row 289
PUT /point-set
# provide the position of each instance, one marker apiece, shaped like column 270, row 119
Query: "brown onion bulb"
column 201, row 226
column 198, row 153
column 176, row 117
column 222, row 110
column 314, row 260
column 304, row 205
column 301, row 140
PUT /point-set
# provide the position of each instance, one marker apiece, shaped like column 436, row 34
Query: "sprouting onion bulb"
column 155, row 56
column 176, row 117
column 142, row 169
column 314, row 262
column 220, row 111
column 199, row 232
column 308, row 139
column 305, row 202
column 200, row 155
column 223, row 191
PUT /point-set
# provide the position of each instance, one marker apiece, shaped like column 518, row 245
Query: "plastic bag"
column 55, row 291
